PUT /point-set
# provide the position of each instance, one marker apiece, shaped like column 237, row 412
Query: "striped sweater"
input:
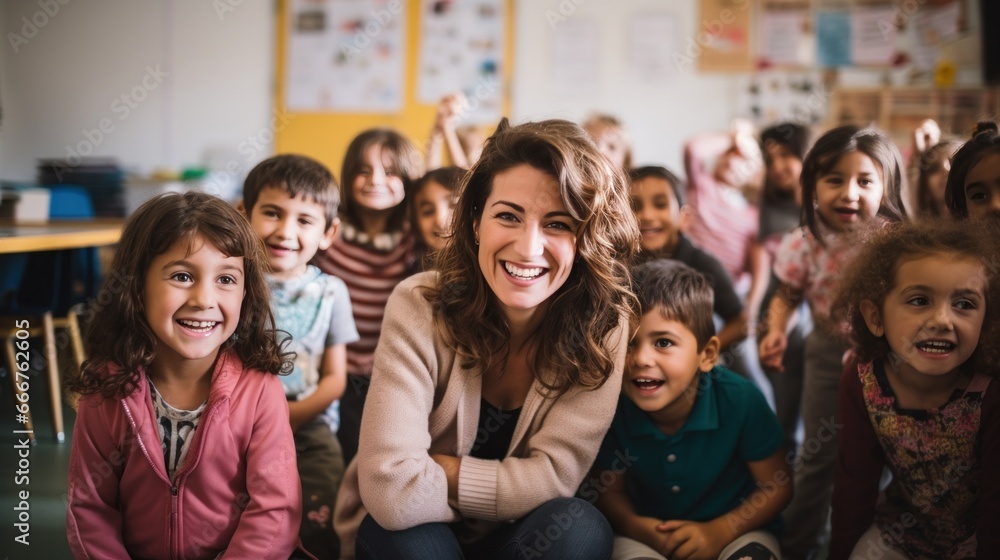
column 370, row 275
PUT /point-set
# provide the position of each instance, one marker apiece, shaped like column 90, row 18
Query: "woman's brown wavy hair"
column 573, row 338
column 118, row 335
column 871, row 275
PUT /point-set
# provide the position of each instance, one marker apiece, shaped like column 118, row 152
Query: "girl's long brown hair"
column 572, row 341
column 119, row 339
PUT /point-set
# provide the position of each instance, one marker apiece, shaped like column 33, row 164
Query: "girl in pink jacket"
column 182, row 447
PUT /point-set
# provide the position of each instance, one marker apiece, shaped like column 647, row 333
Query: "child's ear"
column 330, row 235
column 684, row 218
column 709, row 355
column 873, row 318
column 242, row 208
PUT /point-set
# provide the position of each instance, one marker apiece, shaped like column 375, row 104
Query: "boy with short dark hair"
column 705, row 476
column 291, row 202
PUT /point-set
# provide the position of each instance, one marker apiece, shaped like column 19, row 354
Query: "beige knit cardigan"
column 422, row 401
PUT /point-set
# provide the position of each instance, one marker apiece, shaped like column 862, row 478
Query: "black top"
column 727, row 304
column 496, row 430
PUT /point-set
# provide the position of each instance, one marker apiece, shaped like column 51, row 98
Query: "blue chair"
column 52, row 286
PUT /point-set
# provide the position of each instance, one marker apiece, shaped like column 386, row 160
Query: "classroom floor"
column 46, row 484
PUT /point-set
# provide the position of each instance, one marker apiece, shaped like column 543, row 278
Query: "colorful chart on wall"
column 722, row 42
column 345, row 55
column 462, row 49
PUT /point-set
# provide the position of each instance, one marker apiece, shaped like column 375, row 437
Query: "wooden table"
column 55, row 235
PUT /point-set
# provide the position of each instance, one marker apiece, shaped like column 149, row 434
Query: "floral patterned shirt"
column 803, row 263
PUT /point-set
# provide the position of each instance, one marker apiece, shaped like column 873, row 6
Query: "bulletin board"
column 325, row 134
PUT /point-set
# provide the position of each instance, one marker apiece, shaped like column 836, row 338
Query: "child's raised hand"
column 925, row 136
column 772, row 351
column 689, row 540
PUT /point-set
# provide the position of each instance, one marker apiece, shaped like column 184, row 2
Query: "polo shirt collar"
column 704, row 416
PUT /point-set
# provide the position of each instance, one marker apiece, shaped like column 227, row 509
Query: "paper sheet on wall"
column 873, row 36
column 724, row 36
column 934, row 27
column 575, row 56
column 345, row 55
column 653, row 41
column 782, row 39
column 462, row 48
column 833, row 39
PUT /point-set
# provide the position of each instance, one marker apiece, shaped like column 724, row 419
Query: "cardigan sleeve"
column 269, row 526
column 93, row 520
column 859, row 467
column 557, row 456
column 988, row 527
column 400, row 485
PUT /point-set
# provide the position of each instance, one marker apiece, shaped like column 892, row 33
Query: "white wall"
column 205, row 81
column 658, row 117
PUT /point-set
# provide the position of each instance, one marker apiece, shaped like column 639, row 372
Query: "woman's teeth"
column 525, row 273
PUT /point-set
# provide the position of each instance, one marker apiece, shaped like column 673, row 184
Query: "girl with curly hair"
column 920, row 398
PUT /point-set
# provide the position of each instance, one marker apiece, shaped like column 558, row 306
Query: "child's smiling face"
column 663, row 366
column 933, row 316
column 982, row 186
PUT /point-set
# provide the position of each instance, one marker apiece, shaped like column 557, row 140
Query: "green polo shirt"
column 700, row 472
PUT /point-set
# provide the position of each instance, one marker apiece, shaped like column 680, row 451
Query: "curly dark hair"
column 871, row 275
column 595, row 299
column 119, row 339
column 837, row 143
column 985, row 140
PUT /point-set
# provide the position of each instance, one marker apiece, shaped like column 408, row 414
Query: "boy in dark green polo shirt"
column 692, row 466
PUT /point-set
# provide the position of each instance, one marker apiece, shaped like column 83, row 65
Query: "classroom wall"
column 658, row 116
column 195, row 82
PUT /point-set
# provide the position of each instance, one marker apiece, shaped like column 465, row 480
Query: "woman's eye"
column 506, row 216
column 561, row 225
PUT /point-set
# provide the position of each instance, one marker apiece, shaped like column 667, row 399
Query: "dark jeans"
column 321, row 468
column 560, row 529
column 352, row 404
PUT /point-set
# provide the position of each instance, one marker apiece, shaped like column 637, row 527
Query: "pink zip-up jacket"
column 237, row 493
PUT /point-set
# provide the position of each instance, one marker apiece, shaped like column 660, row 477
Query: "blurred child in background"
column 432, row 203
column 375, row 251
column 609, row 135
column 973, row 187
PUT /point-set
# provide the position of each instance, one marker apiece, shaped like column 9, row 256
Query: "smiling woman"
column 498, row 375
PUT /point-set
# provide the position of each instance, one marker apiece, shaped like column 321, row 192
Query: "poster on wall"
column 345, row 55
column 576, row 45
column 462, row 48
column 783, row 39
column 722, row 42
column 873, row 36
column 652, row 44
